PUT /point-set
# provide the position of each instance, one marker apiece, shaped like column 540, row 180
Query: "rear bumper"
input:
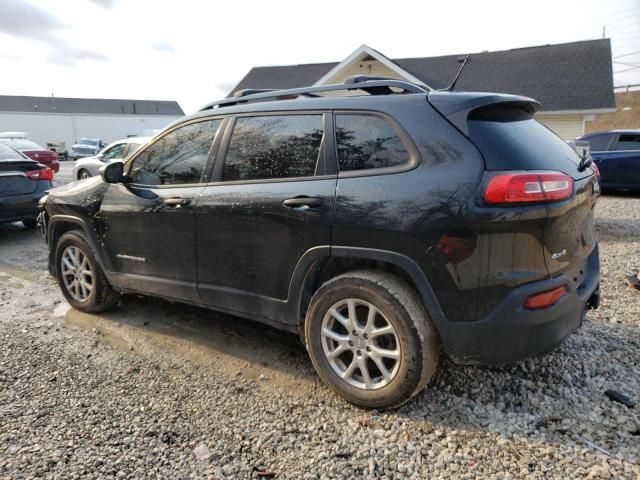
column 511, row 333
column 19, row 207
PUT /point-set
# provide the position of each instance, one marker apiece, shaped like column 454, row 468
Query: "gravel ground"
column 132, row 393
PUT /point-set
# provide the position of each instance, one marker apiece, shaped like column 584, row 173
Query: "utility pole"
column 603, row 30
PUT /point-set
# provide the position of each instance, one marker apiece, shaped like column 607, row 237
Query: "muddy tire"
column 80, row 276
column 370, row 338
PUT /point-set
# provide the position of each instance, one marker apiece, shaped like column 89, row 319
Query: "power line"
column 627, row 54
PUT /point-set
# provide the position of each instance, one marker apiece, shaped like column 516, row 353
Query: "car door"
column 149, row 221
column 269, row 201
column 599, row 144
column 627, row 153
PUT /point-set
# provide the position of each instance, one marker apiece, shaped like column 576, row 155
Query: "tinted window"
column 628, row 141
column 366, row 141
column 116, row 151
column 600, row 142
column 276, row 146
column 178, row 157
column 510, row 139
column 7, row 153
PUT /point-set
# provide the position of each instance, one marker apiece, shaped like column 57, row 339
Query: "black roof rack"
column 371, row 85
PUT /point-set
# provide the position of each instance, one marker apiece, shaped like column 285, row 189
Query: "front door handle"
column 177, row 202
column 302, row 203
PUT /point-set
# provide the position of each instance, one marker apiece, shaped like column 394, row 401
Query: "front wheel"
column 370, row 339
column 80, row 276
column 83, row 174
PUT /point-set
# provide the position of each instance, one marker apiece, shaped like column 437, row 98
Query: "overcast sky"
column 195, row 51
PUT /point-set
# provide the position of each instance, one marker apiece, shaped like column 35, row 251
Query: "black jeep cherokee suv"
column 381, row 226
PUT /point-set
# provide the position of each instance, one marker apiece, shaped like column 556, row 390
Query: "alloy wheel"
column 360, row 344
column 77, row 275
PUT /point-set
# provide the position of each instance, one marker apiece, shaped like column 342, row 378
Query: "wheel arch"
column 320, row 264
column 58, row 225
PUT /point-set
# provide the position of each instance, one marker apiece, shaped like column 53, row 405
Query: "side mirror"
column 112, row 172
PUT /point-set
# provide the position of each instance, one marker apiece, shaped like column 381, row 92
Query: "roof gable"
column 570, row 76
column 366, row 53
column 95, row 106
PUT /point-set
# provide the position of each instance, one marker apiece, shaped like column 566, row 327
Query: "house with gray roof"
column 572, row 81
column 57, row 119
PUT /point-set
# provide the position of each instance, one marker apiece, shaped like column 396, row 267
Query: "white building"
column 52, row 119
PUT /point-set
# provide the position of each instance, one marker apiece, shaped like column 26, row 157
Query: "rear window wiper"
column 585, row 161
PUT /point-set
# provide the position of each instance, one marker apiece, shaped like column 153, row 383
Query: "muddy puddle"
column 7, row 271
column 221, row 342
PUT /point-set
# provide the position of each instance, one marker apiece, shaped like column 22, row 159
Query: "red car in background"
column 34, row 151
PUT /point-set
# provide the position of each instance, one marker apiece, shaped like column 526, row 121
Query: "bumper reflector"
column 544, row 299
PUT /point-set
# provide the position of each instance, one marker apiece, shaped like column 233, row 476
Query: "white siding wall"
column 47, row 127
column 364, row 67
column 566, row 126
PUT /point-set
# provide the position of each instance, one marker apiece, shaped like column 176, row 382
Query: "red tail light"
column 544, row 299
column 44, row 174
column 528, row 187
column 596, row 169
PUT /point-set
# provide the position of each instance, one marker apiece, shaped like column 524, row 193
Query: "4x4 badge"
column 557, row 255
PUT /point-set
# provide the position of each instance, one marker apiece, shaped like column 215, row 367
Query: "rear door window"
column 273, row 146
column 368, row 141
column 628, row 141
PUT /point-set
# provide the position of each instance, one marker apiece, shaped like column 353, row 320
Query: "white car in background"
column 118, row 150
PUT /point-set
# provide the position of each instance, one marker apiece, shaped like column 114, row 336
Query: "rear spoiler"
column 456, row 106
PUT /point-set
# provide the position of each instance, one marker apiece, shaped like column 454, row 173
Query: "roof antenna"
column 463, row 61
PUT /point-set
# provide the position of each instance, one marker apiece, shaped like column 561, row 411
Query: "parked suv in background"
column 617, row 155
column 381, row 227
column 86, row 147
column 116, row 151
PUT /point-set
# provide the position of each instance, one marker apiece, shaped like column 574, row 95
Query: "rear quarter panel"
column 426, row 213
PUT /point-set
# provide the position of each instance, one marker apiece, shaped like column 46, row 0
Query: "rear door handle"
column 177, row 202
column 302, row 203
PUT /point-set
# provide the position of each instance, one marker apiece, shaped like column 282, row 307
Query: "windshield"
column 23, row 144
column 7, row 153
column 88, row 141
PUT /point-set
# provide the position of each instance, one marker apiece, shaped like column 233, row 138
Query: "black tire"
column 102, row 297
column 417, row 336
column 30, row 223
column 81, row 172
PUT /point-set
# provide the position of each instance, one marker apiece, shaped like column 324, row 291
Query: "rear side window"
column 628, row 141
column 599, row 142
column 510, row 139
column 368, row 141
column 177, row 158
column 274, row 146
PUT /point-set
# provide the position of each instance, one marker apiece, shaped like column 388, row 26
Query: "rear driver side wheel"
column 80, row 276
column 83, row 174
column 370, row 339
